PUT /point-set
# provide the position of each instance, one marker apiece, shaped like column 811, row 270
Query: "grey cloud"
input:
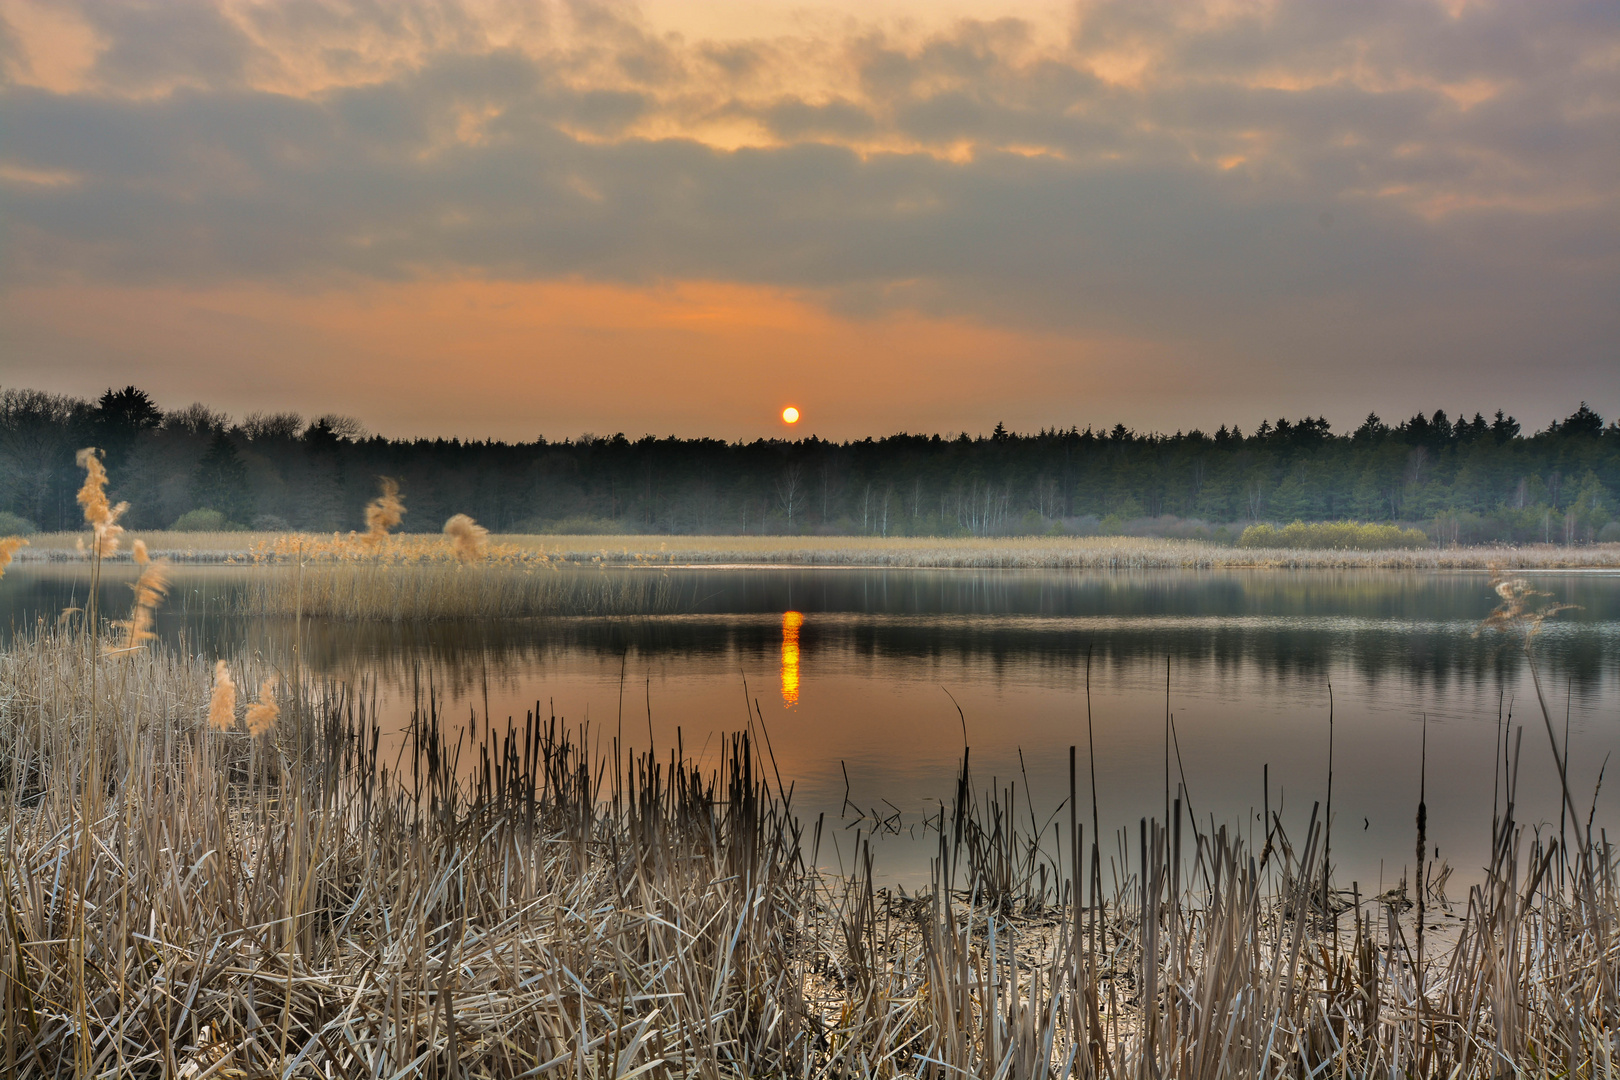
column 153, row 43
column 795, row 119
column 1129, row 228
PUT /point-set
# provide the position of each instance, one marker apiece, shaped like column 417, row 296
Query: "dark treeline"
column 1461, row 480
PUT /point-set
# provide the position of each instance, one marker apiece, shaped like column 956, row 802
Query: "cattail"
column 99, row 514
column 467, row 537
column 383, row 513
column 222, row 706
column 150, row 589
column 10, row 544
column 262, row 714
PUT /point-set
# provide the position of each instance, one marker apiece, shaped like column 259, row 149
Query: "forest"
column 1460, row 480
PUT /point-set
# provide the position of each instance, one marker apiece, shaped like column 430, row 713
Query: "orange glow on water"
column 790, row 415
column 791, row 621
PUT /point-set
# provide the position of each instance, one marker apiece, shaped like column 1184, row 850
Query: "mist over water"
column 860, row 674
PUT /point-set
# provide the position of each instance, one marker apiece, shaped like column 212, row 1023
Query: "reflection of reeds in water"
column 441, row 590
column 514, row 900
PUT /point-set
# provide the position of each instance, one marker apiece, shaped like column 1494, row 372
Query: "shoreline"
column 741, row 553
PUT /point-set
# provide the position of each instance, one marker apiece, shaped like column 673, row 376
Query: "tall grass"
column 519, row 899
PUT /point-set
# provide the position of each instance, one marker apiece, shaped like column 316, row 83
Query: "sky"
column 508, row 219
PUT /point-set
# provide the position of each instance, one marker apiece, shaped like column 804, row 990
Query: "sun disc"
column 790, row 415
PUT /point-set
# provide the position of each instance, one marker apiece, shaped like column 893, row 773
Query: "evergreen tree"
column 221, row 480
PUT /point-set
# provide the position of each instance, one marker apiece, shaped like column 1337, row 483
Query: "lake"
column 868, row 680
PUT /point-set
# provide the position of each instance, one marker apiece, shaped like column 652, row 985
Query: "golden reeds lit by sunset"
column 383, row 513
column 150, row 589
column 222, row 702
column 262, row 714
column 467, row 537
column 99, row 513
column 8, row 548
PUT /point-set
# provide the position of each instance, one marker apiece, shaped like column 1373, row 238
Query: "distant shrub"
column 13, row 525
column 271, row 523
column 1609, row 534
column 200, row 521
column 1340, row 535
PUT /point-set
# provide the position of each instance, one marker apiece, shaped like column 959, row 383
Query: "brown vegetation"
column 295, row 908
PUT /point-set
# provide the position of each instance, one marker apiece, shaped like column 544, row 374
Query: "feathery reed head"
column 150, row 589
column 383, row 513
column 222, row 704
column 138, row 553
column 8, row 546
column 99, row 514
column 467, row 537
column 263, row 713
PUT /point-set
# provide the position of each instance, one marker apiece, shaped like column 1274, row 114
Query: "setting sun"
column 790, row 415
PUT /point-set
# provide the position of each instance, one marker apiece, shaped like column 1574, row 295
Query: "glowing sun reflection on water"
column 791, row 621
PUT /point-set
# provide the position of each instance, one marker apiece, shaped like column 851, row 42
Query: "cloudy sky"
column 513, row 218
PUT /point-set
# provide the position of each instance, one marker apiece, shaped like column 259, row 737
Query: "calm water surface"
column 861, row 673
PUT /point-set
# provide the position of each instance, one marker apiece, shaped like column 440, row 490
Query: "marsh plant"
column 520, row 898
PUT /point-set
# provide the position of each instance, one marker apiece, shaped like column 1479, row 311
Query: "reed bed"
column 513, row 899
column 1081, row 553
column 437, row 590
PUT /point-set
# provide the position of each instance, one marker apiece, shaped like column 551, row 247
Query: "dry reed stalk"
column 467, row 537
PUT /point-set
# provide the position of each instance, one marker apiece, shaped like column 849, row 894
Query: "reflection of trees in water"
column 460, row 656
column 1374, row 595
column 1286, row 624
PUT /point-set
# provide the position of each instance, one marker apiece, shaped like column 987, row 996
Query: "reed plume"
column 9, row 546
column 467, row 537
column 222, row 704
column 150, row 589
column 383, row 513
column 100, row 514
column 263, row 713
